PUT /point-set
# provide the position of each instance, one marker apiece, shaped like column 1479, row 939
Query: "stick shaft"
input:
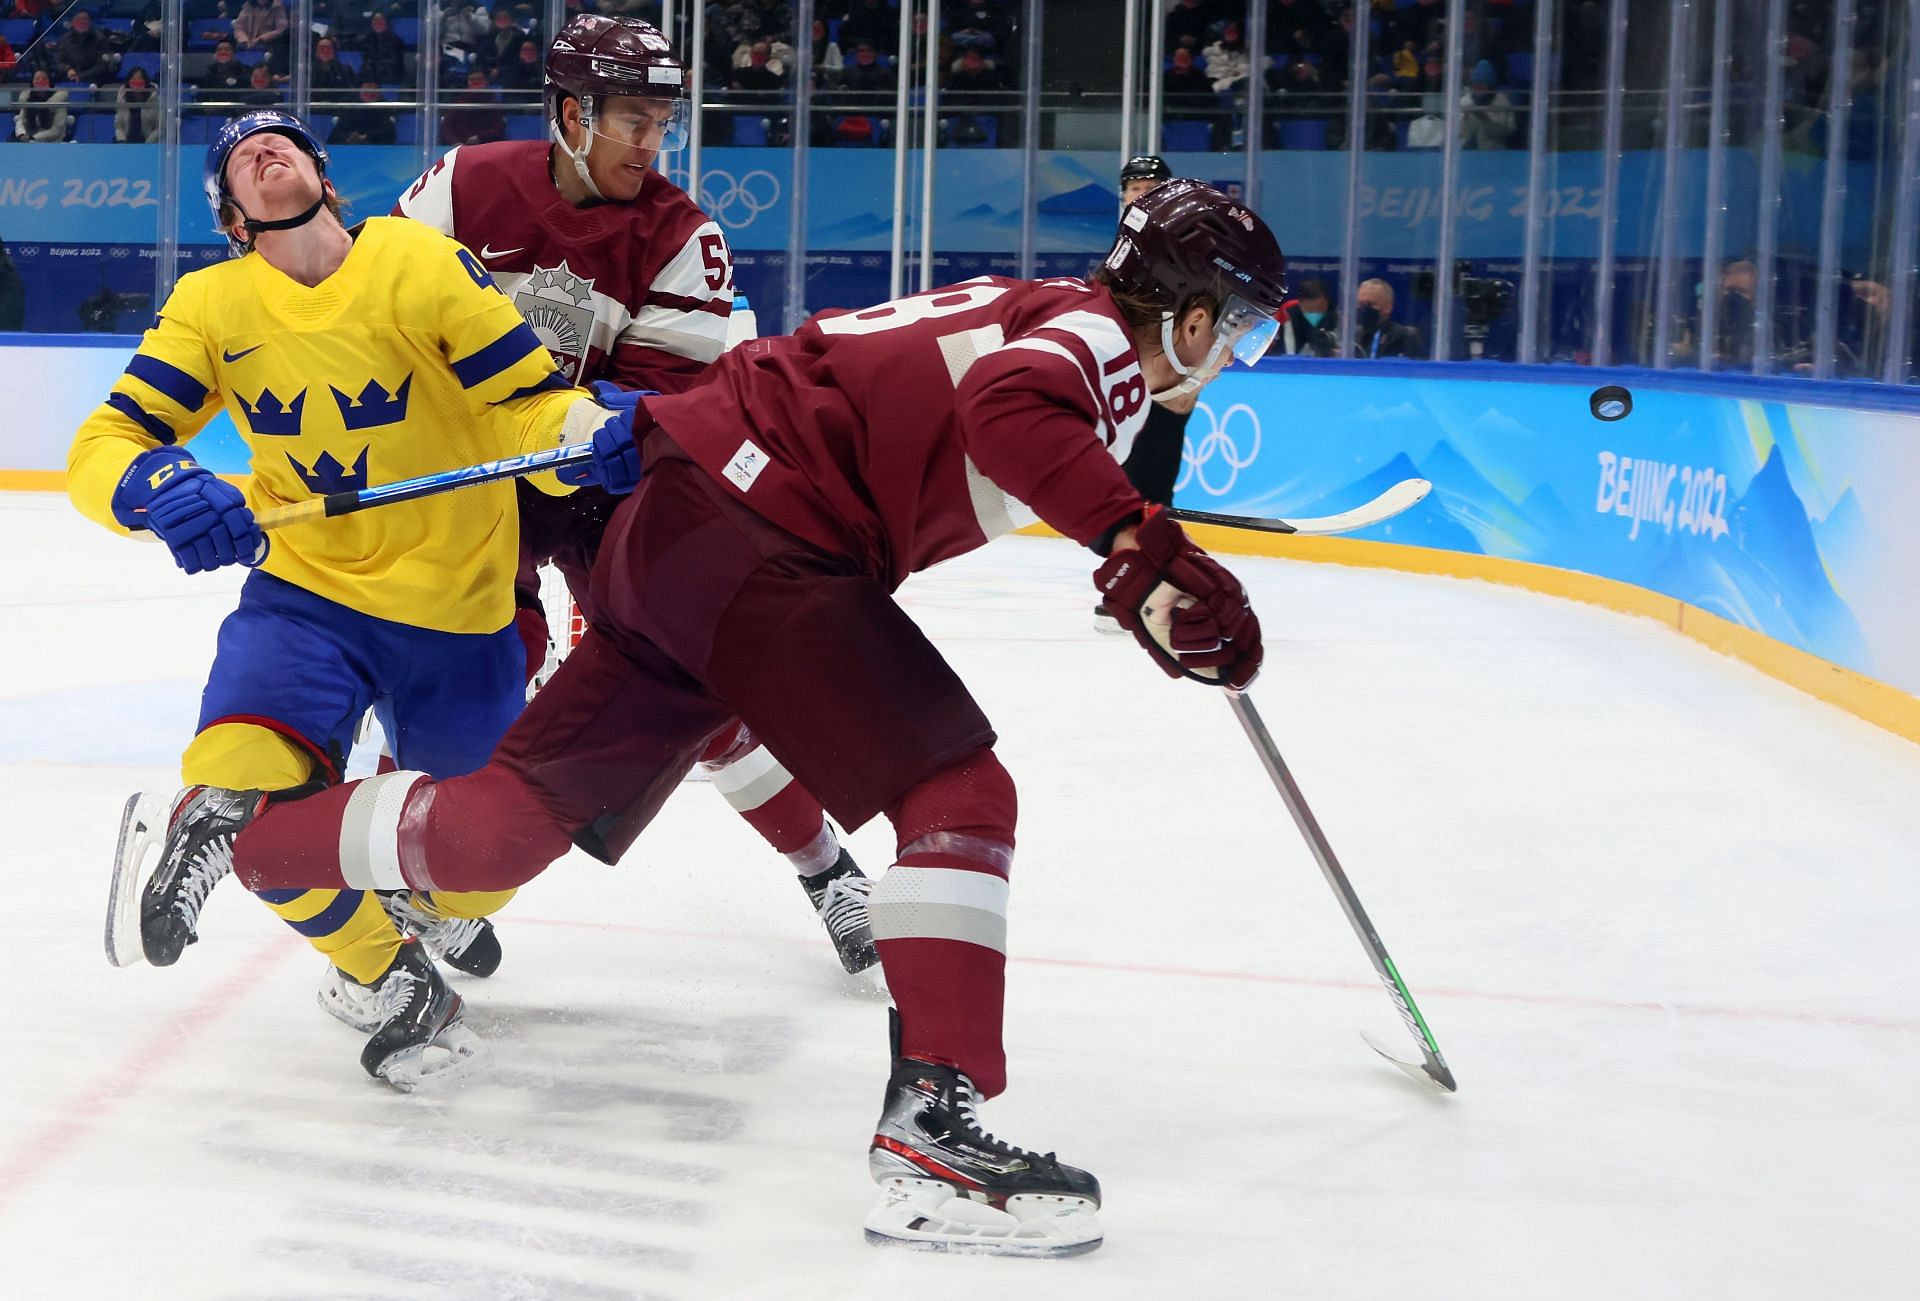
column 1290, row 795
column 426, row 485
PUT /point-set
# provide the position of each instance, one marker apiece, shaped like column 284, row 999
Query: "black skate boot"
column 419, row 1011
column 839, row 896
column 467, row 944
column 951, row 1186
column 198, row 853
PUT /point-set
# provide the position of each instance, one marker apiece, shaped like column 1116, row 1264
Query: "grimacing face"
column 272, row 177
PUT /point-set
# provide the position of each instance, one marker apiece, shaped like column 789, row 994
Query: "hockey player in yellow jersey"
column 347, row 358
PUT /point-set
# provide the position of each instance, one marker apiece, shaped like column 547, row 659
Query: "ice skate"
column 348, row 1001
column 420, row 1035
column 839, row 896
column 195, row 851
column 467, row 944
column 951, row 1186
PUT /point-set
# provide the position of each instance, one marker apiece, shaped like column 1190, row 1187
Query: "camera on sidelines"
column 1486, row 299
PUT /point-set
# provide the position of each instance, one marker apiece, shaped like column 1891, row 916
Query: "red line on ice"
column 85, row 1113
column 1420, row 992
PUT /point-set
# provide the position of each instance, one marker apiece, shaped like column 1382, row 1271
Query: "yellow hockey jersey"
column 405, row 361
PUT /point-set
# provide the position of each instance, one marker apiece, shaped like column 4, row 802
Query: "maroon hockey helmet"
column 597, row 55
column 1184, row 238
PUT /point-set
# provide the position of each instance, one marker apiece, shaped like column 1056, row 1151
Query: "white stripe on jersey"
column 430, row 198
column 689, row 332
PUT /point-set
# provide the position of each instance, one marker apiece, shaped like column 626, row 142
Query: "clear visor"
column 1245, row 329
column 657, row 124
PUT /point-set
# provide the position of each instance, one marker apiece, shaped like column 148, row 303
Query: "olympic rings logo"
column 736, row 203
column 1218, row 445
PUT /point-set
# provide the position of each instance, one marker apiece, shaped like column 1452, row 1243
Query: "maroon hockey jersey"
column 908, row 433
column 637, row 293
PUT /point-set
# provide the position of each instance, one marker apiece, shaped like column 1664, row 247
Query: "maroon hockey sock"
column 765, row 794
column 940, row 918
column 483, row 831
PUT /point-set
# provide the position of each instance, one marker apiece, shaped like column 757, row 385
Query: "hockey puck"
column 1610, row 402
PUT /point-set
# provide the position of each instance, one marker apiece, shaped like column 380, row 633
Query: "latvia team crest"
column 559, row 306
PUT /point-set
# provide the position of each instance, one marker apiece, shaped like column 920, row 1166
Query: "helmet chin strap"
column 1195, row 376
column 254, row 227
column 579, row 157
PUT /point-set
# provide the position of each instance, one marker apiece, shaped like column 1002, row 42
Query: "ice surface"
column 1659, row 910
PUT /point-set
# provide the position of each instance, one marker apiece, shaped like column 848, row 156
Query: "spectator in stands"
column 1185, row 79
column 1296, row 28
column 757, row 75
column 502, row 42
column 1227, row 58
column 465, row 26
column 1192, row 19
column 1376, row 333
column 364, row 124
column 866, row 73
column 137, row 116
column 41, row 113
column 262, row 25
column 8, row 59
column 526, row 71
column 383, row 56
column 827, row 58
column 13, row 294
column 226, row 76
column 871, row 20
column 1735, row 343
column 333, row 80
column 1486, row 114
column 31, row 8
column 476, row 125
column 1310, row 326
column 974, row 71
column 1423, row 23
column 976, row 27
column 84, row 53
column 260, row 91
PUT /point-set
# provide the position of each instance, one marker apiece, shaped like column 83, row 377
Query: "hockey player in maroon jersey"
column 628, row 283
column 784, row 498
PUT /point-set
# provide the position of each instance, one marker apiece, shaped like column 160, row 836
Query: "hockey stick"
column 1433, row 1067
column 426, row 485
column 1401, row 496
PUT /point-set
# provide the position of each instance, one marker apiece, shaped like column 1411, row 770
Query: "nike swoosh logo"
column 236, row 356
column 491, row 252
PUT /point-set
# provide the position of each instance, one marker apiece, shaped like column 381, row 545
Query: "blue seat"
column 322, row 124
column 6, row 127
column 351, row 58
column 406, row 129
column 199, row 129
column 94, row 129
column 247, row 58
column 147, row 62
column 1303, row 133
column 526, row 126
column 1520, row 67
column 749, row 130
column 118, row 26
column 18, row 31
column 78, row 92
column 408, row 30
column 1185, row 137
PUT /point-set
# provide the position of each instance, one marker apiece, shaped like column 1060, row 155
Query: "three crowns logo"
column 373, row 406
column 267, row 415
column 329, row 476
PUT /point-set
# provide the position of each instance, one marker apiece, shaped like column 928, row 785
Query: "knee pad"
column 245, row 757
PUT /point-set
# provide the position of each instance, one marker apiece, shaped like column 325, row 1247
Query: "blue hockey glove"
column 614, row 398
column 616, row 458
column 203, row 520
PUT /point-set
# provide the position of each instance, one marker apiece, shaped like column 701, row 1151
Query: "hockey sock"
column 940, row 917
column 763, row 792
column 349, row 927
column 484, row 831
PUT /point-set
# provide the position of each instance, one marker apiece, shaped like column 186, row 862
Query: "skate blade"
column 452, row 1055
column 926, row 1215
column 143, row 837
column 340, row 1004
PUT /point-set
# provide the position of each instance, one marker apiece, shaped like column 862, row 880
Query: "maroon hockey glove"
column 1182, row 605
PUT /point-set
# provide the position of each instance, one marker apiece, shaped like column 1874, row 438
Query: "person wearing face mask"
column 1486, row 114
column 1308, row 325
column 1376, row 333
